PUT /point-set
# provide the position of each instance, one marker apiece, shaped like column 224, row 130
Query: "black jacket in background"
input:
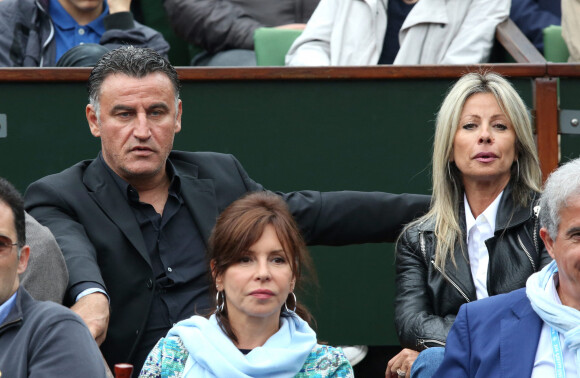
column 218, row 25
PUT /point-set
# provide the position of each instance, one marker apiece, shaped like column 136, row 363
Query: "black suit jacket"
column 102, row 241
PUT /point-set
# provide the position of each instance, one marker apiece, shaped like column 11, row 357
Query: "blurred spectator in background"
column 225, row 29
column 43, row 33
column 532, row 16
column 46, row 276
column 356, row 32
column 571, row 28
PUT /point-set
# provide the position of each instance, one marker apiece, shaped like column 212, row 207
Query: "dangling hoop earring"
column 286, row 305
column 219, row 307
column 449, row 169
column 518, row 167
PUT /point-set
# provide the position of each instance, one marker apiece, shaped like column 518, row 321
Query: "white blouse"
column 478, row 231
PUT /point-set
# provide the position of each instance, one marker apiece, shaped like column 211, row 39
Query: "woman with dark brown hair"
column 259, row 329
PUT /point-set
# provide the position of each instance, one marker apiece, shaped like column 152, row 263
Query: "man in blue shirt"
column 46, row 33
column 37, row 339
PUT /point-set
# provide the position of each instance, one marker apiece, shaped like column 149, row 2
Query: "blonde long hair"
column 447, row 184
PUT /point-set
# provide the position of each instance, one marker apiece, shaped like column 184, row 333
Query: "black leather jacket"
column 428, row 300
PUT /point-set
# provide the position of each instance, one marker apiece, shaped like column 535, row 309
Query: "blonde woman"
column 480, row 237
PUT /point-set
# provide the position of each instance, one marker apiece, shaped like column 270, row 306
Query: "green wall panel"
column 370, row 135
column 569, row 99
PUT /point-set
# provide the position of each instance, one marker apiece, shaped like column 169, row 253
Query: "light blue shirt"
column 68, row 33
column 6, row 307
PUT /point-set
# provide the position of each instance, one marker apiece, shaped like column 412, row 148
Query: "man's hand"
column 116, row 6
column 292, row 26
column 401, row 363
column 94, row 310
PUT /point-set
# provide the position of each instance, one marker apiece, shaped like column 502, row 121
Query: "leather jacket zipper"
column 451, row 282
column 537, row 216
column 422, row 244
column 527, row 253
column 423, row 342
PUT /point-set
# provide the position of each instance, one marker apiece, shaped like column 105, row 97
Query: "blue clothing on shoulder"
column 69, row 33
column 6, row 307
column 493, row 337
column 532, row 16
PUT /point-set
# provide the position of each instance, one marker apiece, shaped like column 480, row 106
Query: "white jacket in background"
column 351, row 33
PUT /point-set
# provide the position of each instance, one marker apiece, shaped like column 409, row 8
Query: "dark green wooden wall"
column 370, row 135
column 569, row 99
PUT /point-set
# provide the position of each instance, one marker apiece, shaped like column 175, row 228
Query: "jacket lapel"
column 430, row 12
column 509, row 213
column 199, row 196
column 103, row 189
column 519, row 336
column 461, row 273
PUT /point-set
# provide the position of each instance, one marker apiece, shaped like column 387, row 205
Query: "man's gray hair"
column 561, row 186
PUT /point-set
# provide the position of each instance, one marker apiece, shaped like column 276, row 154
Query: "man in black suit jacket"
column 133, row 223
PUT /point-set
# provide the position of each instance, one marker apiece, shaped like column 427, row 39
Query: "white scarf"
column 213, row 354
column 564, row 319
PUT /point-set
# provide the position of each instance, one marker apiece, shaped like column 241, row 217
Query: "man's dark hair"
column 132, row 61
column 12, row 198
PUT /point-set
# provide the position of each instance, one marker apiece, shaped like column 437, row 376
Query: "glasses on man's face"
column 6, row 245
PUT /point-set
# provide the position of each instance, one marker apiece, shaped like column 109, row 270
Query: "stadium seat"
column 271, row 45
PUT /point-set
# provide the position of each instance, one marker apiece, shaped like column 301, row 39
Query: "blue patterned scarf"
column 564, row 319
column 213, row 354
